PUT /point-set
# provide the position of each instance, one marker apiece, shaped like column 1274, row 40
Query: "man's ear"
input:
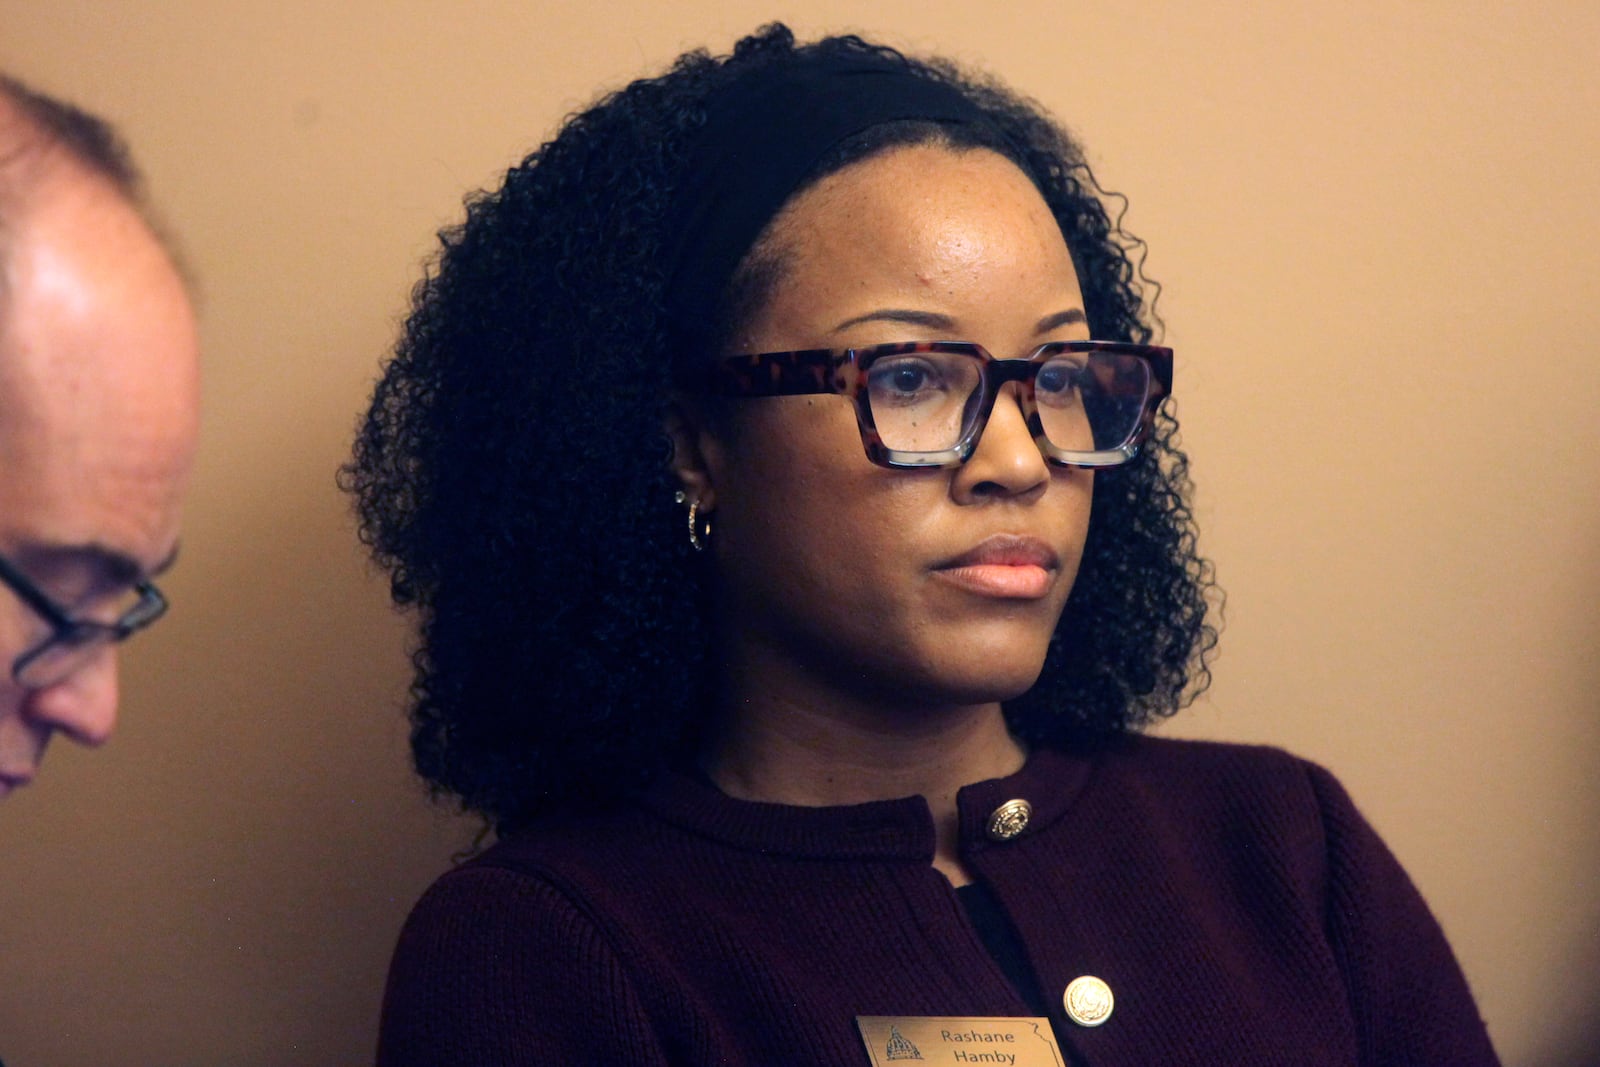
column 696, row 452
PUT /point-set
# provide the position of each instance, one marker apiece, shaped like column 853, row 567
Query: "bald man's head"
column 99, row 407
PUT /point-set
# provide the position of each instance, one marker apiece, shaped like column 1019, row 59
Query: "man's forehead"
column 117, row 521
column 98, row 387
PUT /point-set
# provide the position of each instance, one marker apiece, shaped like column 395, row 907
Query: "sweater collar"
column 886, row 829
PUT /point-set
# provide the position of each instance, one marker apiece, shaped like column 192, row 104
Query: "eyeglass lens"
column 63, row 656
column 929, row 401
column 67, row 650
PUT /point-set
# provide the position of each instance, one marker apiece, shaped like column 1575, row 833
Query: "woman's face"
column 900, row 586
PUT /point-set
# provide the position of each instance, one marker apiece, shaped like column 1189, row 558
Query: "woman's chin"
column 982, row 682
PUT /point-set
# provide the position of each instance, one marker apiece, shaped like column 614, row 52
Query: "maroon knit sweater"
column 1238, row 906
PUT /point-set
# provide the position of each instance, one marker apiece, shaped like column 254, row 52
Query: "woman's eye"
column 1057, row 382
column 903, row 379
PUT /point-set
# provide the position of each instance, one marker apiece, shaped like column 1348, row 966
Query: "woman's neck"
column 821, row 752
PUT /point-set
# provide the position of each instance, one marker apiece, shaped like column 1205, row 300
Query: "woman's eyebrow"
column 1069, row 317
column 931, row 319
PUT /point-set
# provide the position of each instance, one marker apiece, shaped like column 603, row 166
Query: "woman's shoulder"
column 1189, row 770
column 1250, row 812
column 1245, row 798
column 491, row 941
column 533, row 867
column 1160, row 750
column 1263, row 841
column 545, row 881
column 487, row 910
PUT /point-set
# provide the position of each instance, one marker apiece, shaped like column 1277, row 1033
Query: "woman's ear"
column 696, row 452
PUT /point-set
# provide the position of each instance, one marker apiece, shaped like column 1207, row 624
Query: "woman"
column 794, row 572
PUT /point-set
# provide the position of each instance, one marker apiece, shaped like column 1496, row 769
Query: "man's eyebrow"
column 117, row 568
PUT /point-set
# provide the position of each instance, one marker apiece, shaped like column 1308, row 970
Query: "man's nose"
column 82, row 705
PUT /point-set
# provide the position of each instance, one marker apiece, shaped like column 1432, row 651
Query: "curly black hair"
column 511, row 472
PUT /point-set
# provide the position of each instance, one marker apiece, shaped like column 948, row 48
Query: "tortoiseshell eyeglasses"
column 925, row 403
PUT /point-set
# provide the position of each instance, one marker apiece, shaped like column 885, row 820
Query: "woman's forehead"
column 918, row 198
column 923, row 228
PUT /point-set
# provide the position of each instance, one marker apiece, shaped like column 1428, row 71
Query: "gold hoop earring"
column 699, row 527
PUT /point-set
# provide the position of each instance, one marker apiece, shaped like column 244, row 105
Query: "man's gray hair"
column 90, row 140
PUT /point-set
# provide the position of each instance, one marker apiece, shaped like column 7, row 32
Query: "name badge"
column 958, row 1041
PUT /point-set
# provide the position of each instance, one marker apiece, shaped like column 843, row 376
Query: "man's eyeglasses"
column 73, row 642
column 925, row 404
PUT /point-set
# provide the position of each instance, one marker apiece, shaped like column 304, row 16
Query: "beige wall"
column 1376, row 228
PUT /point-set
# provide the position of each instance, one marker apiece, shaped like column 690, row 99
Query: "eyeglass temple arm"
column 1160, row 362
column 798, row 373
column 152, row 605
column 1161, row 369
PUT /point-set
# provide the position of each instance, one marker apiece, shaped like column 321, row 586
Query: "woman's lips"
column 1004, row 566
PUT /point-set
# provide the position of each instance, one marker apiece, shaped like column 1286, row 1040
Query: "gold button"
column 1009, row 819
column 1088, row 1000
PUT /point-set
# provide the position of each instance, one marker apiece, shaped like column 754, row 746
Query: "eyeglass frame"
column 82, row 634
column 842, row 371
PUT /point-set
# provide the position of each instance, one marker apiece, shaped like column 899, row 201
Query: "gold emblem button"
column 1009, row 819
column 1088, row 1000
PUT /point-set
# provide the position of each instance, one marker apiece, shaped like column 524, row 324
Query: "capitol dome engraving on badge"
column 1009, row 819
column 1088, row 1000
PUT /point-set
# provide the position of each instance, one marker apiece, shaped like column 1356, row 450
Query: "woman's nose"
column 1006, row 461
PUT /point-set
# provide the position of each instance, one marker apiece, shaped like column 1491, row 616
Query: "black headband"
column 764, row 134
